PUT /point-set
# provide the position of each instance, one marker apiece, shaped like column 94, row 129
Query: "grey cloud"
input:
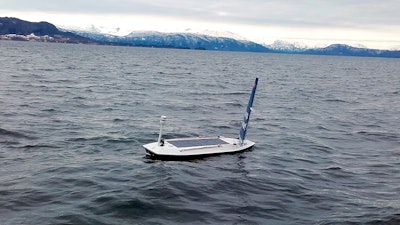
column 345, row 13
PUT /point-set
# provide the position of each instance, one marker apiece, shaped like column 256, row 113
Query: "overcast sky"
column 372, row 23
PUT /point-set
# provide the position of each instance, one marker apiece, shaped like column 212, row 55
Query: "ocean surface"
column 73, row 120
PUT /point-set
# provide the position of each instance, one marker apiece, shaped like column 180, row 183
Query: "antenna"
column 163, row 119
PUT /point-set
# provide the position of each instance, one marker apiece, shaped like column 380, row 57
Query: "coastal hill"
column 20, row 30
column 16, row 29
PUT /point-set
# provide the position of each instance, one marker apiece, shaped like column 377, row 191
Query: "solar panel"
column 197, row 142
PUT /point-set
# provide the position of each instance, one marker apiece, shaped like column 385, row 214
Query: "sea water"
column 73, row 119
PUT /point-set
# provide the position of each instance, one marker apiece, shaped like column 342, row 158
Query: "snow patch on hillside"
column 213, row 33
column 116, row 31
column 281, row 45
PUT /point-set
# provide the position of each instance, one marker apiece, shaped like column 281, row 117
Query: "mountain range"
column 16, row 29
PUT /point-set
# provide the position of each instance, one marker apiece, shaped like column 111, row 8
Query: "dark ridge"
column 21, row 30
column 16, row 26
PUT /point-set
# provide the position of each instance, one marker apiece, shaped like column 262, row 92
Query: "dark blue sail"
column 245, row 123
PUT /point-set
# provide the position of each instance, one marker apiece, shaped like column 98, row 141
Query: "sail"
column 245, row 123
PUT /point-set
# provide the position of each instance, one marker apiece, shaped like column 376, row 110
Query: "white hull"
column 169, row 150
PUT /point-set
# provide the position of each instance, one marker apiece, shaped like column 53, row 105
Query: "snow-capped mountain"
column 217, row 41
column 213, row 33
column 280, row 45
column 184, row 40
column 116, row 31
column 346, row 50
column 189, row 38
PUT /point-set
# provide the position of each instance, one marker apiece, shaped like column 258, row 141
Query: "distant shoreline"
column 19, row 30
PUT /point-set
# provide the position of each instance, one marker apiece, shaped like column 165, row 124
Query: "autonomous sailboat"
column 199, row 147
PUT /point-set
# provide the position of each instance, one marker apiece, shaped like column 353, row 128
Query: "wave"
column 336, row 100
column 15, row 134
column 379, row 135
column 366, row 219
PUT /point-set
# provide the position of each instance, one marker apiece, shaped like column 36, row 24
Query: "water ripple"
column 74, row 118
